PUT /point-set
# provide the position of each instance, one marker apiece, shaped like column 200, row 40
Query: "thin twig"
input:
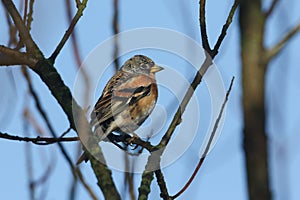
column 65, row 132
column 46, row 119
column 38, row 140
column 86, row 186
column 12, row 30
column 73, row 35
column 147, row 177
column 25, row 10
column 69, row 31
column 30, row 15
column 205, row 43
column 115, row 26
column 271, row 9
column 188, row 95
column 33, row 122
column 208, row 144
column 24, row 32
column 225, row 28
column 271, row 53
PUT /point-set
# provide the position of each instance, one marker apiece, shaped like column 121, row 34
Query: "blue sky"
column 223, row 174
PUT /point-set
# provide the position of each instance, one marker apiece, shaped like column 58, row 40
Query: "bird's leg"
column 133, row 138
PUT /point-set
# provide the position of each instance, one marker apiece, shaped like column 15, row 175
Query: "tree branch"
column 115, row 26
column 49, row 75
column 10, row 56
column 46, row 119
column 205, row 43
column 271, row 53
column 38, row 140
column 148, row 175
column 271, row 9
column 31, row 46
column 86, row 186
column 180, row 110
column 80, row 9
column 164, row 194
column 225, row 28
column 212, row 135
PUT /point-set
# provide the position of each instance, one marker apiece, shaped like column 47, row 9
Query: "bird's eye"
column 143, row 66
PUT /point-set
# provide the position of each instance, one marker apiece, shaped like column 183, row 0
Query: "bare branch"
column 271, row 9
column 271, row 53
column 24, row 33
column 208, row 144
column 78, row 3
column 65, row 133
column 115, row 26
column 205, row 43
column 164, row 194
column 73, row 36
column 177, row 117
column 29, row 15
column 46, row 119
column 38, row 140
column 224, row 29
column 49, row 75
column 10, row 57
column 197, row 80
column 25, row 10
column 69, row 31
column 86, row 186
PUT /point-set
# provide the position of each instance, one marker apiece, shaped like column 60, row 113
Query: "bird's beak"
column 156, row 68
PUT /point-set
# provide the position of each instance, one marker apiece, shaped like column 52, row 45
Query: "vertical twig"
column 202, row 20
column 115, row 26
column 271, row 9
column 208, row 144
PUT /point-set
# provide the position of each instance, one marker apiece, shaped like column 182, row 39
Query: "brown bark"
column 252, row 22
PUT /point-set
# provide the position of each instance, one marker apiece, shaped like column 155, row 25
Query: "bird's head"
column 141, row 64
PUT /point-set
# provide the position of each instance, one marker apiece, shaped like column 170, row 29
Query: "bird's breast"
column 143, row 108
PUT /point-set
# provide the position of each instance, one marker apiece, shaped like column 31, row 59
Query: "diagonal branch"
column 188, row 95
column 46, row 119
column 271, row 9
column 271, row 53
column 31, row 46
column 80, row 9
column 225, row 28
column 49, row 75
column 148, row 175
column 212, row 135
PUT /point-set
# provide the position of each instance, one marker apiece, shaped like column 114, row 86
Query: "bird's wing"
column 123, row 89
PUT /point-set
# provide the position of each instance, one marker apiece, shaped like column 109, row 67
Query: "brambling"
column 126, row 101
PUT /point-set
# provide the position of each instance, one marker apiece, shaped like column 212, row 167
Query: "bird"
column 127, row 100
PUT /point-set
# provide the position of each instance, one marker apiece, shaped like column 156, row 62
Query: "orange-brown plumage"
column 127, row 99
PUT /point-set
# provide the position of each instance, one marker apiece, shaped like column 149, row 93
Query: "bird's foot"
column 133, row 138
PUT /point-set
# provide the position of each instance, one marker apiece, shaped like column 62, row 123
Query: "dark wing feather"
column 103, row 108
column 122, row 90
